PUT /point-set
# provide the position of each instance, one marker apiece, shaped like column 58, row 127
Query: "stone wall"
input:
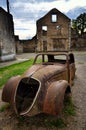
column 29, row 45
column 7, row 44
column 19, row 45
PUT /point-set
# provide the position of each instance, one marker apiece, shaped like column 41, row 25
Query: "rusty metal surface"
column 41, row 88
column 53, row 102
column 10, row 88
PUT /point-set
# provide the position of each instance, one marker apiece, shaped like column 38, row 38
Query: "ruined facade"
column 53, row 31
column 7, row 44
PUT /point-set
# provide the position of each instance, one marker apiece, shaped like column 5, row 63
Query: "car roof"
column 54, row 53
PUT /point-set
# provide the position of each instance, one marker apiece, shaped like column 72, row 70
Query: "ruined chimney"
column 8, row 10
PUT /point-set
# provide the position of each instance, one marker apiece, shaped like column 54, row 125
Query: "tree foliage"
column 79, row 24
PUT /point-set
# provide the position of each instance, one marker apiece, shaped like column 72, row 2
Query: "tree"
column 79, row 24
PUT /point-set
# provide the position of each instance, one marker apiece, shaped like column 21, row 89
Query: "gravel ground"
column 9, row 121
column 79, row 92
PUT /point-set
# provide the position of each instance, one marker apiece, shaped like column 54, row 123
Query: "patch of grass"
column 80, row 62
column 13, row 70
column 69, row 108
column 4, row 107
column 21, row 119
column 82, row 54
column 58, row 123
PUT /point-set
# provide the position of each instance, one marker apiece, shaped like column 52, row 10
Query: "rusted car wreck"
column 41, row 89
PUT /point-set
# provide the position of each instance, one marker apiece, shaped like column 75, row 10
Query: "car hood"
column 45, row 72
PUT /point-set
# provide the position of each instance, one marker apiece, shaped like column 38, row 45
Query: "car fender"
column 53, row 102
column 9, row 89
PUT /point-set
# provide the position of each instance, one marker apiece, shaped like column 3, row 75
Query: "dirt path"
column 9, row 121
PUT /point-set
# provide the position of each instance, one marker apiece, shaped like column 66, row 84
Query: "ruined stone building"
column 53, row 31
column 7, row 44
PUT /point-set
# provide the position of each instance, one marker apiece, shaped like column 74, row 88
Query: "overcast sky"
column 26, row 12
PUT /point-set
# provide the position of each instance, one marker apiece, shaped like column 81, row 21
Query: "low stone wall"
column 7, row 57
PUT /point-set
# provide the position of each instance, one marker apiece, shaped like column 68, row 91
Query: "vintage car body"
column 41, row 89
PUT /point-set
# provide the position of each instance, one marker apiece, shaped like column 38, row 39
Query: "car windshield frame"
column 43, row 59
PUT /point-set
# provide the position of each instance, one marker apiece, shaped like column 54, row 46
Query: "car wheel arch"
column 53, row 102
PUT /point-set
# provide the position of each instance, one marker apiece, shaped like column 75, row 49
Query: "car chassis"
column 42, row 88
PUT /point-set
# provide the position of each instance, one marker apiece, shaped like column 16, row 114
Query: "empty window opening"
column 44, row 28
column 57, row 58
column 54, row 18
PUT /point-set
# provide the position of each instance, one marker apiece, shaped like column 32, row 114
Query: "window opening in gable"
column 54, row 18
